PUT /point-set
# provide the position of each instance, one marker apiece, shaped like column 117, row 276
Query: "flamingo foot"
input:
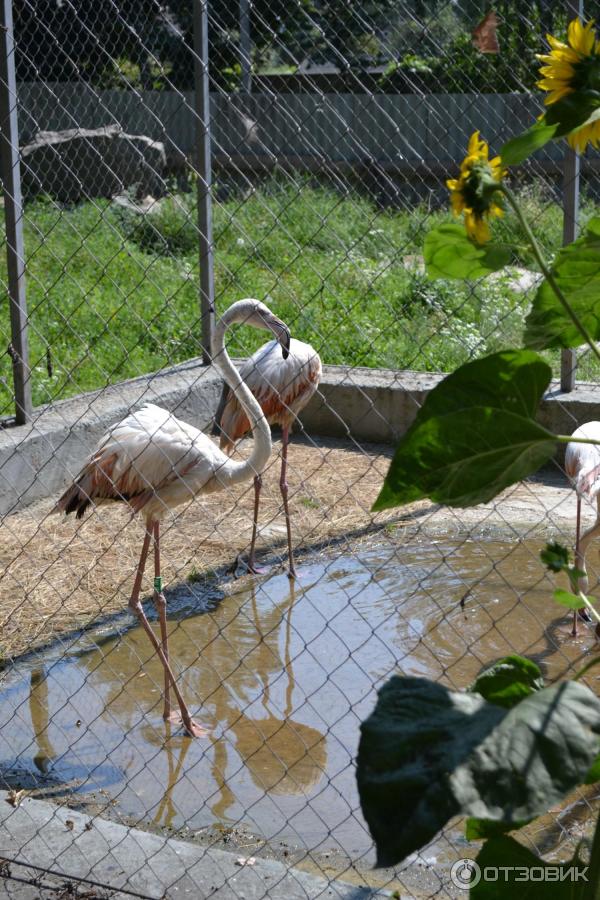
column 247, row 568
column 190, row 727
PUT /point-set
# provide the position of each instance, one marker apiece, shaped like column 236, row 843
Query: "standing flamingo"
column 283, row 387
column 582, row 465
column 154, row 461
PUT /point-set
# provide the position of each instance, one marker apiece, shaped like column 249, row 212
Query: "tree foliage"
column 427, row 43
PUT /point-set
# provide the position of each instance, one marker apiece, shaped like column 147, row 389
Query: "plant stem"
column 568, row 438
column 546, row 271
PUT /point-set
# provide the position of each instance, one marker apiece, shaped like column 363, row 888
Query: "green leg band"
column 158, row 584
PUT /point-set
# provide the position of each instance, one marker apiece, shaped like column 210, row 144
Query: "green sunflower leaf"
column 593, row 776
column 519, row 148
column 449, row 253
column 427, row 754
column 576, row 270
column 562, row 881
column 514, row 380
column 465, row 458
column 571, row 601
column 508, row 681
column 474, row 435
column 481, row 829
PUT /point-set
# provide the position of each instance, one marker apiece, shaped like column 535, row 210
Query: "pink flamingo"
column 154, row 461
column 582, row 465
column 283, row 387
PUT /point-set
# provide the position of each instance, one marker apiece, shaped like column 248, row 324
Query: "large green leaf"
column 474, row 435
column 427, row 754
column 465, row 458
column 519, row 148
column 449, row 253
column 482, row 829
column 577, row 273
column 510, row 865
column 593, row 776
column 571, row 601
column 508, row 681
column 514, row 380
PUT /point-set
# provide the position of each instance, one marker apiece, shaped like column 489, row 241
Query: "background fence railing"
column 352, row 128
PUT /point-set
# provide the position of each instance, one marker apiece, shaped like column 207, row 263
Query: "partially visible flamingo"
column 283, row 387
column 154, row 461
column 582, row 465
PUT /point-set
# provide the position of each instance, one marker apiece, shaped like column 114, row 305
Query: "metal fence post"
column 245, row 46
column 13, row 215
column 571, row 178
column 203, row 168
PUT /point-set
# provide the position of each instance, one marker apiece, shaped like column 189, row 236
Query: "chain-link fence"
column 177, row 156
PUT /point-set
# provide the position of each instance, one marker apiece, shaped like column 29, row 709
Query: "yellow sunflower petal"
column 477, row 228
column 595, row 134
column 581, row 37
column 555, row 95
column 558, row 70
column 566, row 55
column 473, row 144
column 578, row 139
column 575, row 34
column 555, row 43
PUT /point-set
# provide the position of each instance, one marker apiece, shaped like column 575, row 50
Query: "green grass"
column 113, row 295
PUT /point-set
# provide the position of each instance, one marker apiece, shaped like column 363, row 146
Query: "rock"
column 82, row 163
column 516, row 278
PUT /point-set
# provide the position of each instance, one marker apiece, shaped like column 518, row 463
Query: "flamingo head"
column 262, row 317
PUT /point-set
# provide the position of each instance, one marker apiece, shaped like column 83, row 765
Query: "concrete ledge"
column 377, row 405
column 69, row 843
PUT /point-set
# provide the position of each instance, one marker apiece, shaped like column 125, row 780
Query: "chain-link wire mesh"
column 328, row 169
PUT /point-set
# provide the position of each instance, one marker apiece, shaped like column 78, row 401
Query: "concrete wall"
column 378, row 405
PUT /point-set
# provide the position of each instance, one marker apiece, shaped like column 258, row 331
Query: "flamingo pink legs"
column 252, row 567
column 283, row 486
column 152, row 529
column 581, row 543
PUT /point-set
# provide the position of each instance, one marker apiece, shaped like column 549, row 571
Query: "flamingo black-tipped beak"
column 282, row 333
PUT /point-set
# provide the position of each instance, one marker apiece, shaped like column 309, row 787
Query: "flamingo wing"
column 582, row 461
column 143, row 456
column 282, row 387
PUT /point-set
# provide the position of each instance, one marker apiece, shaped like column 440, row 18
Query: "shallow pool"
column 281, row 676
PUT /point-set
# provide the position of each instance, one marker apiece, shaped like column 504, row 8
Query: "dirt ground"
column 58, row 575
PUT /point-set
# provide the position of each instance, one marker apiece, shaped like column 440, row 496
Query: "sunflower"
column 474, row 192
column 572, row 68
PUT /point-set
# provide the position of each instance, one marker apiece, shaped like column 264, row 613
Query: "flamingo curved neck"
column 261, row 450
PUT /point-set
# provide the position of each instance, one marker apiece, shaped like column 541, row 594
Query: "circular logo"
column 465, row 874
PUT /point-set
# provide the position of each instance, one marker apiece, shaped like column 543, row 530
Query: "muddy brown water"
column 281, row 676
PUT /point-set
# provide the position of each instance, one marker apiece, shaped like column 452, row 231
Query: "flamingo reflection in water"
column 282, row 756
column 240, row 655
column 40, row 720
